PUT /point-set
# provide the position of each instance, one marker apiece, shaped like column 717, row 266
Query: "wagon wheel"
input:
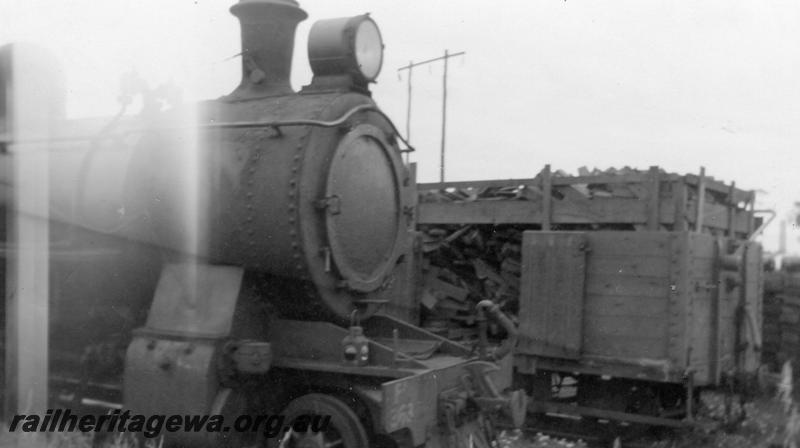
column 345, row 429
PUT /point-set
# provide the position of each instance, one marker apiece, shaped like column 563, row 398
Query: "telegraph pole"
column 410, row 68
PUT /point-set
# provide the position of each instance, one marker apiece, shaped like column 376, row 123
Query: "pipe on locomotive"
column 485, row 307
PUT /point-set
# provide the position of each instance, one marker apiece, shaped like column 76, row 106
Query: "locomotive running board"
column 412, row 390
column 317, row 346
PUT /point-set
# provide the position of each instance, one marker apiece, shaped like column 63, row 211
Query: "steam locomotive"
column 264, row 253
column 283, row 240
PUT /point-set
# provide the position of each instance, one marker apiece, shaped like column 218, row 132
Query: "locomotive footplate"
column 210, row 347
column 428, row 389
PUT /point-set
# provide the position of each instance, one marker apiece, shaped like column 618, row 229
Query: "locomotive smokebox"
column 305, row 190
column 268, row 28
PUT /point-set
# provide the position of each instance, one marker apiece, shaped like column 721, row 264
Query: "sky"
column 567, row 83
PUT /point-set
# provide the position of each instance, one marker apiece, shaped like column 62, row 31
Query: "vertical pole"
column 444, row 116
column 731, row 209
column 27, row 283
column 653, row 201
column 701, row 200
column 547, row 198
column 408, row 106
column 751, row 215
column 679, row 197
column 32, row 107
column 716, row 312
column 5, row 130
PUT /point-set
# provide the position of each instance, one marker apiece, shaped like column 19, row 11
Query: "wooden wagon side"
column 657, row 306
column 641, row 200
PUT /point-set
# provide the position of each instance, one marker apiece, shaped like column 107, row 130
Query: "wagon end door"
column 552, row 293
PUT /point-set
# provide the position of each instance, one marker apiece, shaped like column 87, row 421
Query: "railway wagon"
column 632, row 289
column 665, row 310
column 262, row 318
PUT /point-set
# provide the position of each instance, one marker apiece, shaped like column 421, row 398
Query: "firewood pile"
column 466, row 264
column 531, row 190
column 623, row 183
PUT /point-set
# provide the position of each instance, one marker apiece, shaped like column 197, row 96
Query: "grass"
column 773, row 420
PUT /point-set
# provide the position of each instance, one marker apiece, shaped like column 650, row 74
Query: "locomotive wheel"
column 344, row 430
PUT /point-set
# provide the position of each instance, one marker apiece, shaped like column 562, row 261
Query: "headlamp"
column 346, row 46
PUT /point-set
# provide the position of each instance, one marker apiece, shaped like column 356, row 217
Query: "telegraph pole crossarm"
column 410, row 68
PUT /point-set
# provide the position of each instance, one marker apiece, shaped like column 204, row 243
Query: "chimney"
column 268, row 28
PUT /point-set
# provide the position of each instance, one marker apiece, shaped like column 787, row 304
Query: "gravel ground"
column 766, row 425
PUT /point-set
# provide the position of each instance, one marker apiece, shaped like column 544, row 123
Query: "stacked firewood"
column 466, row 264
column 532, row 191
column 583, row 187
